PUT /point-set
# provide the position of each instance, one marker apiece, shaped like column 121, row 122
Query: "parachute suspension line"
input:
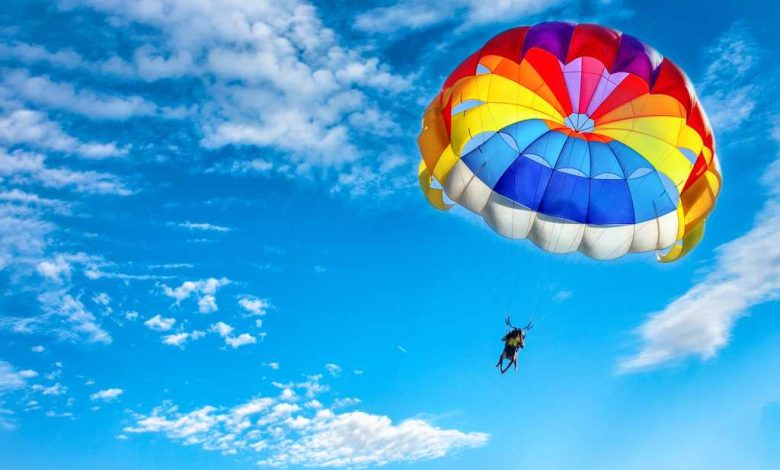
column 514, row 272
column 511, row 269
column 515, row 266
column 547, row 314
column 487, row 262
column 648, row 256
column 478, row 257
column 546, row 260
column 559, row 228
column 537, row 296
column 565, row 263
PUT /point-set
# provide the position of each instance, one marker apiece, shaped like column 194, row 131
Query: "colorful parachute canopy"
column 577, row 137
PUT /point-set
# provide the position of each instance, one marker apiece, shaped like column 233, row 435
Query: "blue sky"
column 213, row 253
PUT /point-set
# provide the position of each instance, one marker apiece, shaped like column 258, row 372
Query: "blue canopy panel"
column 564, row 176
column 488, row 155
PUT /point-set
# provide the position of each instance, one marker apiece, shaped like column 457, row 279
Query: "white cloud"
column 10, row 379
column 94, row 272
column 171, row 266
column 179, row 339
column 746, row 272
column 43, row 91
column 203, row 290
column 418, row 14
column 254, row 305
column 30, row 168
column 203, row 227
column 360, row 439
column 25, row 237
column 52, row 390
column 31, row 54
column 102, row 299
column 33, row 128
column 281, row 433
column 272, row 365
column 241, row 340
column 345, row 402
column 28, row 373
column 38, row 349
column 222, row 328
column 64, row 316
column 207, row 304
column 24, row 240
column 256, row 166
column 158, row 323
column 109, row 394
column 17, row 196
column 333, row 369
column 274, row 76
column 729, row 91
column 562, row 295
column 56, row 269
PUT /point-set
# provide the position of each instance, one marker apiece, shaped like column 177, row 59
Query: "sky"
column 214, row 253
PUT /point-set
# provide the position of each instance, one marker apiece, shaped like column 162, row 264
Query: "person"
column 513, row 342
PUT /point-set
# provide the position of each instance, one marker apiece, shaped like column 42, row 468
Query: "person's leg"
column 504, row 369
column 500, row 360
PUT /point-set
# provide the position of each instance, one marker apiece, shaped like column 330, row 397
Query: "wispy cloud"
column 273, row 76
column 10, row 378
column 333, row 369
column 746, row 272
column 55, row 389
column 109, row 394
column 241, row 340
column 158, row 323
column 36, row 54
column 729, row 90
column 201, row 226
column 33, row 128
column 254, row 305
column 203, row 290
column 562, row 295
column 418, row 14
column 179, row 339
column 44, row 91
column 31, row 168
column 281, row 433
column 226, row 332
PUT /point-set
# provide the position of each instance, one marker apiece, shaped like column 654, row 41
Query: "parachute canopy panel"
column 577, row 137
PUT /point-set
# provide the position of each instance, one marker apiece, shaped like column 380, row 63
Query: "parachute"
column 576, row 137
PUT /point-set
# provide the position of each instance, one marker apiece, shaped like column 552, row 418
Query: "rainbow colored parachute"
column 577, row 137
